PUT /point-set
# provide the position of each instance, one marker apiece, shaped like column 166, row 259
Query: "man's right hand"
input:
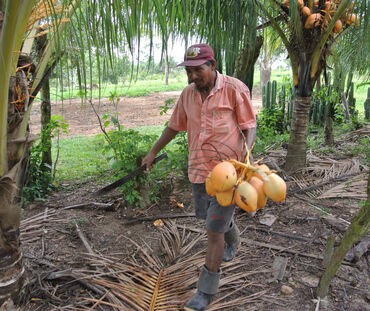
column 148, row 161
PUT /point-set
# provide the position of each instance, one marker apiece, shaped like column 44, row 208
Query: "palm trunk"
column 359, row 227
column 45, row 121
column 329, row 132
column 11, row 263
column 11, row 185
column 296, row 156
column 166, row 69
column 265, row 72
column 244, row 65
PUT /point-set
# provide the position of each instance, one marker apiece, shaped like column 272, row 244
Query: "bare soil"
column 51, row 241
column 132, row 111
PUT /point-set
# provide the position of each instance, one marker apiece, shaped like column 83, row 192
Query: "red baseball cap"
column 197, row 55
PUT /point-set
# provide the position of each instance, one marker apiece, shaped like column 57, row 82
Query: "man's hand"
column 148, row 161
column 167, row 135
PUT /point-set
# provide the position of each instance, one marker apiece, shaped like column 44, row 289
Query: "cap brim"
column 193, row 62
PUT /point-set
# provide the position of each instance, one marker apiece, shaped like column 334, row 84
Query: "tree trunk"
column 265, row 72
column 166, row 69
column 11, row 185
column 359, row 226
column 245, row 62
column 329, row 133
column 45, row 121
column 40, row 44
column 11, row 262
column 296, row 156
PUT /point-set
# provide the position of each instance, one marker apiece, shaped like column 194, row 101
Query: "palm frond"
column 149, row 282
column 354, row 188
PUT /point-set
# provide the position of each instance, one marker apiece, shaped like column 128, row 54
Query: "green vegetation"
column 135, row 89
column 79, row 158
column 82, row 158
column 39, row 179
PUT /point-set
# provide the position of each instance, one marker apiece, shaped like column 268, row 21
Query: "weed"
column 39, row 178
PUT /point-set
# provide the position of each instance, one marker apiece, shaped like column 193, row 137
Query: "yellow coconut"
column 275, row 188
column 246, row 197
column 313, row 20
column 337, row 26
column 226, row 198
column 264, row 168
column 223, row 176
column 261, row 196
column 306, row 11
column 353, row 19
column 209, row 187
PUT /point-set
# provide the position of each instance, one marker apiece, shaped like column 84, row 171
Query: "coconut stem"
column 247, row 167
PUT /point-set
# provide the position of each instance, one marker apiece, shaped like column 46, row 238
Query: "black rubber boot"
column 232, row 240
column 207, row 288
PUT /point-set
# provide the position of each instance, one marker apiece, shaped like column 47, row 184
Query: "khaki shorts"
column 218, row 218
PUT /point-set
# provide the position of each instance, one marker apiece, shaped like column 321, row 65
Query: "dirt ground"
column 133, row 112
column 78, row 247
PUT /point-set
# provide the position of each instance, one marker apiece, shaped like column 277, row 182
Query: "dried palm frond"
column 326, row 168
column 354, row 188
column 42, row 10
column 355, row 135
column 148, row 283
column 34, row 227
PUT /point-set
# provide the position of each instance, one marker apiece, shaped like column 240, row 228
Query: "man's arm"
column 250, row 136
column 167, row 135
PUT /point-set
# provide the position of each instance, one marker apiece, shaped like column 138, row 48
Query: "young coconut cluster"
column 248, row 186
column 321, row 16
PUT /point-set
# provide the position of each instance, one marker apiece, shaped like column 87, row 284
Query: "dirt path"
column 133, row 112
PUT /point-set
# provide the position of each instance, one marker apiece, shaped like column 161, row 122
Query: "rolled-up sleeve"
column 178, row 120
column 244, row 110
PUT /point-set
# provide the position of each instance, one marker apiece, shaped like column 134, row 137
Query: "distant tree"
column 308, row 31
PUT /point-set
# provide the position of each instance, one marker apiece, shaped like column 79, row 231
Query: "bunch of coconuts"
column 248, row 186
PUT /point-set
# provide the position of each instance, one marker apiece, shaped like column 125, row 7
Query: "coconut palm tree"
column 20, row 83
column 308, row 30
column 16, row 70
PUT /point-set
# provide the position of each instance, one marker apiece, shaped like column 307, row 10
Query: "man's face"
column 203, row 76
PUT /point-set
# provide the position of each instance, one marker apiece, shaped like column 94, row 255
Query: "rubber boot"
column 207, row 287
column 232, row 240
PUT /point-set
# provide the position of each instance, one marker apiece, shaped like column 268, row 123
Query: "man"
column 215, row 110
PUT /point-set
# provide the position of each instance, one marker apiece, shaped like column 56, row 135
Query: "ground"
column 82, row 250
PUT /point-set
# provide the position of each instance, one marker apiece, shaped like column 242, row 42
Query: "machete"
column 128, row 177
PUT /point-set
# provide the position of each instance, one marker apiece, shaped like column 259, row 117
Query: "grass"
column 81, row 157
column 135, row 89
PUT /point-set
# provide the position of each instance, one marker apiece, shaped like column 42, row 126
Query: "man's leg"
column 210, row 275
column 232, row 240
column 218, row 220
column 215, row 250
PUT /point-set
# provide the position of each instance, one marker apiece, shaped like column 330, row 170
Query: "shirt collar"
column 219, row 82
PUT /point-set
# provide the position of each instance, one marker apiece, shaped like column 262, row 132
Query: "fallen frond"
column 149, row 283
column 354, row 188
